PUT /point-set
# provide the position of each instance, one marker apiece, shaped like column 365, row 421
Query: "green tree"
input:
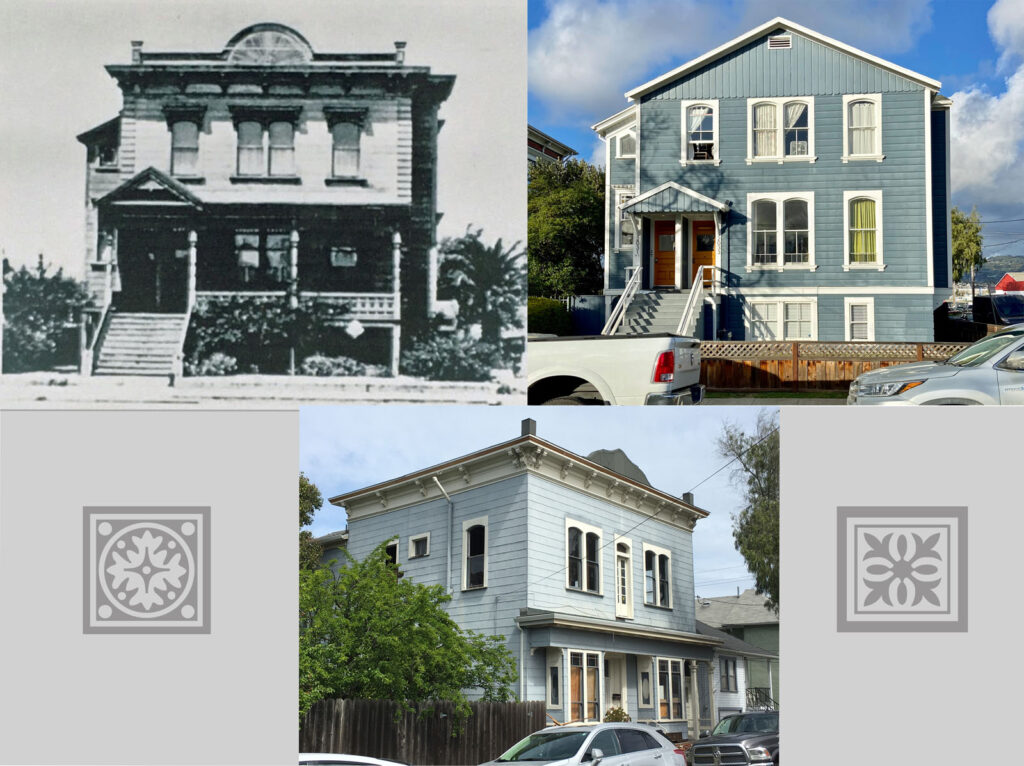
column 565, row 230
column 310, row 501
column 38, row 309
column 366, row 632
column 488, row 282
column 967, row 239
column 756, row 527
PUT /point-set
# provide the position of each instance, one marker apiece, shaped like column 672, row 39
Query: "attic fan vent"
column 779, row 42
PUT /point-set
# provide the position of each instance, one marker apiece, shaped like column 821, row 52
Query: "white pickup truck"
column 613, row 369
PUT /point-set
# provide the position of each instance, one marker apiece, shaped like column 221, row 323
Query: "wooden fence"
column 377, row 728
column 785, row 366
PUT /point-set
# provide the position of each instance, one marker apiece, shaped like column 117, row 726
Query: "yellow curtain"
column 862, row 231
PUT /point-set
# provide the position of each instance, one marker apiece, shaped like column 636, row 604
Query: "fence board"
column 423, row 736
column 778, row 366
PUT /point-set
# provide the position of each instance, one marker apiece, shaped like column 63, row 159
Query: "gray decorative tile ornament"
column 146, row 569
column 902, row 569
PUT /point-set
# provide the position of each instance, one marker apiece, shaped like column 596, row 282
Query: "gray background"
column 228, row 697
column 900, row 698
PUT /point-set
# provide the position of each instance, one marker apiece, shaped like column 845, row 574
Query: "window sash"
column 764, row 321
column 859, row 321
column 701, row 121
column 862, row 126
column 765, row 131
column 863, row 230
column 345, row 152
column 796, row 321
column 797, row 130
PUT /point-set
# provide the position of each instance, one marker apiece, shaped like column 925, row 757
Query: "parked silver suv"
column 599, row 744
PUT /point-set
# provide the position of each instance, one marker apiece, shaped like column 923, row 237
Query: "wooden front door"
column 703, row 249
column 664, row 253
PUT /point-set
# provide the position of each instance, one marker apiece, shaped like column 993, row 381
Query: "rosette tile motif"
column 146, row 570
column 902, row 569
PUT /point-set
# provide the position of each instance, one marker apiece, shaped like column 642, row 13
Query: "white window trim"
column 396, row 544
column 685, row 137
column 781, row 317
column 848, row 302
column 554, row 659
column 877, row 155
column 657, row 689
column 412, row 545
column 735, row 673
column 658, row 551
column 780, row 150
column 641, row 660
column 627, row 611
column 482, row 521
column 585, row 529
column 618, row 151
column 779, row 198
column 619, row 194
column 567, row 714
column 849, row 196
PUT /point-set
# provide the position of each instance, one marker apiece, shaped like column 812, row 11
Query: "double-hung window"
column 862, row 223
column 623, row 221
column 780, row 231
column 700, row 132
column 860, row 318
column 782, row 319
column 185, row 123
column 266, row 143
column 727, row 674
column 583, row 557
column 862, row 127
column 347, row 125
column 657, row 576
column 474, row 546
column 780, row 130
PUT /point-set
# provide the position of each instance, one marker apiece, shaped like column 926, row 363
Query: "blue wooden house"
column 583, row 566
column 784, row 186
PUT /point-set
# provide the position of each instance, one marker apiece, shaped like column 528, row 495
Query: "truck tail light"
column 664, row 370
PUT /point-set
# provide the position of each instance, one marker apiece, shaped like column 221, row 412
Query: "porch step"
column 140, row 344
column 653, row 312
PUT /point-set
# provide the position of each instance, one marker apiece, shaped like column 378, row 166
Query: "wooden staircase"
column 653, row 312
column 141, row 344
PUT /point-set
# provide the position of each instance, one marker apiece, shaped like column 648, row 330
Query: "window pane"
column 593, row 575
column 649, row 583
column 701, row 128
column 796, row 143
column 677, row 685
column 764, row 215
column 795, row 214
column 476, row 540
column 555, row 686
column 663, row 581
column 765, row 244
column 764, row 130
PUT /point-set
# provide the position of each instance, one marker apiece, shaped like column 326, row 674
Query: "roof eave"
column 617, row 120
column 738, row 42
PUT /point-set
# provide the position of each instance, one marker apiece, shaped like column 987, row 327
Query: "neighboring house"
column 262, row 171
column 746, row 617
column 789, row 186
column 734, row 660
column 540, row 147
column 583, row 566
column 1011, row 282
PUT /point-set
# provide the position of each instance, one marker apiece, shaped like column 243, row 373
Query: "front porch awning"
column 671, row 197
column 531, row 618
column 152, row 187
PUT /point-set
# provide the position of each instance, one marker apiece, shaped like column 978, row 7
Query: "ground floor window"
column 782, row 319
column 263, row 256
column 670, row 689
column 583, row 684
column 860, row 318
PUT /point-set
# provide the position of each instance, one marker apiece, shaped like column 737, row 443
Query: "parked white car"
column 339, row 759
column 598, row 744
column 990, row 371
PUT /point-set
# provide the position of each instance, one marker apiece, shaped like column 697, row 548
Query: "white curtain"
column 765, row 129
column 862, row 128
column 697, row 114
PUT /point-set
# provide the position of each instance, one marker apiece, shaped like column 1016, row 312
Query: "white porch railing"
column 713, row 276
column 362, row 306
column 619, row 312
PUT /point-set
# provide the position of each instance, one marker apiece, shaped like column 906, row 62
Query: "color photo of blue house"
column 784, row 186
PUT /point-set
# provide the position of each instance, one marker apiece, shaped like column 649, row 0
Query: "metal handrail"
column 688, row 319
column 619, row 312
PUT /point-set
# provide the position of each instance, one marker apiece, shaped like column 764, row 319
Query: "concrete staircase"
column 141, row 344
column 653, row 312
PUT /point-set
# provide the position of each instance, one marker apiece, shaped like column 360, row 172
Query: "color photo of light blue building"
column 784, row 186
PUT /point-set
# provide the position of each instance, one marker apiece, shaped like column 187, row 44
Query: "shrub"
column 449, row 357
column 617, row 715
column 38, row 309
column 215, row 364
column 548, row 315
column 319, row 364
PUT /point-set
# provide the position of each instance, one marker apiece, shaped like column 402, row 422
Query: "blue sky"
column 584, row 54
column 345, row 448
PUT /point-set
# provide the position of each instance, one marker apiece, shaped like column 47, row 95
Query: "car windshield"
column 743, row 723
column 1009, row 306
column 546, row 746
column 985, row 349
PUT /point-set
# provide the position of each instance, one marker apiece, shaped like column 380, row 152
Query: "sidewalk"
column 271, row 392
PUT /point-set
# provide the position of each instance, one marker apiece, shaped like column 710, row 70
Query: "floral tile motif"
column 902, row 569
column 146, row 570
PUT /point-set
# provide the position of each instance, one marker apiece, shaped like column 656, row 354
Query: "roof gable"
column 777, row 25
column 151, row 187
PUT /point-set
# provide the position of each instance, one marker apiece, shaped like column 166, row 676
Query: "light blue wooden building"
column 783, row 186
column 582, row 565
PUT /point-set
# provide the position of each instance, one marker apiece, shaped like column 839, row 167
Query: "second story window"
column 657, row 576
column 266, row 143
column 184, row 148
column 474, row 545
column 281, row 140
column 700, row 131
column 345, row 151
column 250, row 148
column 780, row 129
column 583, row 548
column 765, row 131
column 862, row 127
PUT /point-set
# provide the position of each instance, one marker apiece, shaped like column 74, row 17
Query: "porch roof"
column 671, row 197
column 537, row 618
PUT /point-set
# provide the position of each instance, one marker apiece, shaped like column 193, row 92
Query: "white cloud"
column 987, row 140
column 587, row 53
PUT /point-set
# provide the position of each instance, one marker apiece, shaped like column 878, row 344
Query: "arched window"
column 796, row 141
column 780, row 231
column 700, row 126
column 863, row 122
column 657, row 576
column 863, row 230
column 583, row 557
column 575, row 558
column 795, row 230
column 475, row 545
column 765, row 243
column 765, row 130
